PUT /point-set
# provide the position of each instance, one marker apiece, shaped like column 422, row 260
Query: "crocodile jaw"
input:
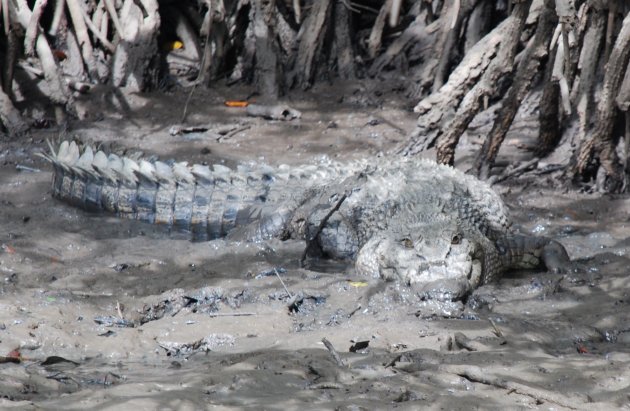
column 441, row 269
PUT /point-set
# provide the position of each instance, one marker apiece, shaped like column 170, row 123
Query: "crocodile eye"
column 456, row 239
column 407, row 243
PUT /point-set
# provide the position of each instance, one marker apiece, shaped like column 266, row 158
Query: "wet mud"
column 97, row 312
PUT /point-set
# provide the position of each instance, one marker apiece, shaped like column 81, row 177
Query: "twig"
column 119, row 310
column 311, row 240
column 233, row 132
column 496, row 329
column 27, row 168
column 285, row 287
column 393, row 361
column 514, row 172
column 335, row 355
column 231, row 314
column 476, row 374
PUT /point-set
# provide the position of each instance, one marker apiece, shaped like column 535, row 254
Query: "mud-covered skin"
column 410, row 220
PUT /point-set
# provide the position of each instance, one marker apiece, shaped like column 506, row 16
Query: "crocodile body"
column 405, row 219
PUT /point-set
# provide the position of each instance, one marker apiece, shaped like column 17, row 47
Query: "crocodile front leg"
column 526, row 252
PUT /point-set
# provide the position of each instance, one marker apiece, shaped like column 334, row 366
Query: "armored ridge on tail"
column 209, row 203
column 397, row 218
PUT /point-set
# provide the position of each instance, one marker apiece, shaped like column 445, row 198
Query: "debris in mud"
column 111, row 321
column 277, row 112
column 434, row 308
column 120, row 267
column 359, row 346
column 218, row 133
column 461, row 341
column 7, row 249
column 106, row 380
column 581, row 349
column 333, row 353
column 407, row 396
column 206, row 300
column 305, row 301
column 27, row 169
column 10, row 359
column 55, row 360
column 206, row 344
column 340, row 315
column 270, row 272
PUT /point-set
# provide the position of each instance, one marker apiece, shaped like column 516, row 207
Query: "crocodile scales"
column 405, row 219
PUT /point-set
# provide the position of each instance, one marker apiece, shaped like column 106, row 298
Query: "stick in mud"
column 285, row 287
column 335, row 355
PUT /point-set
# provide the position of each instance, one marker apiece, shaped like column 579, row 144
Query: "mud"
column 96, row 312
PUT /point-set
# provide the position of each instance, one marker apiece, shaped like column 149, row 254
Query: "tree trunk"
column 589, row 61
column 266, row 73
column 437, row 109
column 310, row 44
column 342, row 42
column 134, row 59
column 10, row 117
column 501, row 66
column 452, row 20
column 525, row 73
column 604, row 140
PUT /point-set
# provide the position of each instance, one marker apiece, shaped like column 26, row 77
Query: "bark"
column 10, row 117
column 310, row 44
column 452, row 20
column 343, row 42
column 588, row 63
column 623, row 98
column 437, row 109
column 206, row 59
column 500, row 66
column 135, row 52
column 212, row 31
column 111, row 10
column 57, row 89
column 81, row 31
column 417, row 33
column 527, row 69
column 96, row 31
column 58, row 16
column 73, row 64
column 605, row 141
column 266, row 74
column 478, row 23
column 376, row 35
column 549, row 113
column 10, row 58
column 33, row 25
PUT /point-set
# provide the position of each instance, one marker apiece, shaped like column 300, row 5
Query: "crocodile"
column 411, row 220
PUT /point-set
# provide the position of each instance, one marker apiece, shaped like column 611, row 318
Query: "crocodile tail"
column 206, row 202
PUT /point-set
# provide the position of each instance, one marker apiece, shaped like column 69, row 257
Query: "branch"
column 31, row 30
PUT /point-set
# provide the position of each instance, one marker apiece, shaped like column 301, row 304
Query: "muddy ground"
column 219, row 330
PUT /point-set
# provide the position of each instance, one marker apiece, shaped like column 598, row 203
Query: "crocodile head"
column 441, row 261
